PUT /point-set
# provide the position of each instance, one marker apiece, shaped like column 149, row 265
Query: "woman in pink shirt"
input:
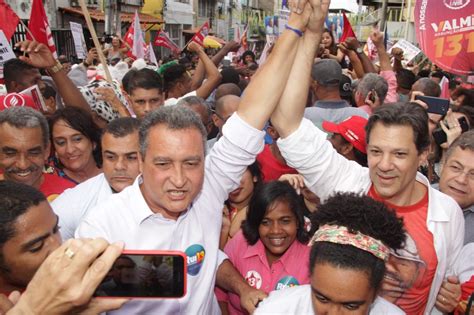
column 270, row 251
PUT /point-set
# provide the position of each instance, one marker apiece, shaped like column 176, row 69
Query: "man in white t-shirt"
column 120, row 166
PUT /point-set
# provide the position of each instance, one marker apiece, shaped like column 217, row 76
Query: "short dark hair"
column 428, row 87
column 230, row 75
column 405, row 79
column 265, row 196
column 49, row 91
column 81, row 121
column 248, row 53
column 405, row 114
column 145, row 78
column 121, row 127
column 14, row 69
column 358, row 214
column 437, row 74
column 172, row 75
column 15, row 200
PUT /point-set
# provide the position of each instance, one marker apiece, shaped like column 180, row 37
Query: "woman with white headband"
column 353, row 238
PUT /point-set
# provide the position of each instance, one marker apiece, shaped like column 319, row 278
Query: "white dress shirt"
column 126, row 217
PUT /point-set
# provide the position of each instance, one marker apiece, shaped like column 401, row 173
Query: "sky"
column 347, row 4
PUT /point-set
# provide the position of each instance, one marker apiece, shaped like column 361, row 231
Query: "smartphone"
column 436, row 105
column 440, row 136
column 146, row 274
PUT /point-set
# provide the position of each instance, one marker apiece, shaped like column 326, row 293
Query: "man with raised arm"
column 397, row 142
column 176, row 203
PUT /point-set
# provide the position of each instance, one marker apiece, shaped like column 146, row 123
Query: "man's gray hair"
column 191, row 100
column 26, row 117
column 175, row 117
column 464, row 141
column 372, row 81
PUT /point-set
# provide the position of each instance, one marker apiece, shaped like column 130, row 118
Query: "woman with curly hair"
column 352, row 241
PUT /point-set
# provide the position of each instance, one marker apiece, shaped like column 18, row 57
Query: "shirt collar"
column 259, row 250
column 331, row 104
column 141, row 210
column 469, row 209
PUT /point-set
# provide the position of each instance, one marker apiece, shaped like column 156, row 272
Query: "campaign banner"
column 6, row 52
column 410, row 51
column 79, row 41
column 445, row 31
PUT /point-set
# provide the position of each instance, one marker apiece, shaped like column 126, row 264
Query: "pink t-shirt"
column 290, row 270
column 391, row 78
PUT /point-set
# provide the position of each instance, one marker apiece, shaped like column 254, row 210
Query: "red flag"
column 162, row 39
column 8, row 20
column 39, row 27
column 348, row 31
column 201, row 34
column 136, row 44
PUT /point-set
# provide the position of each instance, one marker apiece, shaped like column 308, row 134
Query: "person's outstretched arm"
column 204, row 89
column 266, row 87
column 287, row 116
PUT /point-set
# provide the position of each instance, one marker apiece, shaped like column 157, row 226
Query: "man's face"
column 120, row 160
column 22, row 154
column 457, row 177
column 173, row 169
column 393, row 161
column 340, row 145
column 333, row 290
column 28, row 79
column 145, row 101
column 36, row 236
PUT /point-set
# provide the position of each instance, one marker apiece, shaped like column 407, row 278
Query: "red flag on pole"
column 348, row 31
column 39, row 27
column 8, row 20
column 162, row 39
column 201, row 34
column 134, row 39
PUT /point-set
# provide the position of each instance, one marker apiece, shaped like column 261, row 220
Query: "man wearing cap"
column 348, row 138
column 326, row 76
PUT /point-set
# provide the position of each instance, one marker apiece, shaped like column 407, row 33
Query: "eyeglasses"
column 457, row 169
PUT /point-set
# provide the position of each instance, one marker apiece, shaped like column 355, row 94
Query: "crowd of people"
column 311, row 183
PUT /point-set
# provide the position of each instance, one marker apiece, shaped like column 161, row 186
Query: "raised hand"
column 36, row 54
column 194, row 47
column 377, row 38
column 319, row 11
column 352, row 43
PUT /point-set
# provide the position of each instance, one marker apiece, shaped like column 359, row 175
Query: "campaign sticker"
column 195, row 258
column 286, row 282
column 254, row 279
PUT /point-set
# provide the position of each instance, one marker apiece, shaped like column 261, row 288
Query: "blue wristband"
column 297, row 31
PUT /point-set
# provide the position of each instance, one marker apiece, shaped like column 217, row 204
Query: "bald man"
column 225, row 107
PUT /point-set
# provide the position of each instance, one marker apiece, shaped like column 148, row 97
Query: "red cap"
column 352, row 129
column 15, row 99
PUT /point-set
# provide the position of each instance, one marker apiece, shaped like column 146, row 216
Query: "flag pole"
column 100, row 53
column 27, row 30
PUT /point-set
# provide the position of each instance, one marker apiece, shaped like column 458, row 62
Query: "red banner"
column 445, row 31
column 39, row 27
column 201, row 34
column 162, row 39
column 8, row 20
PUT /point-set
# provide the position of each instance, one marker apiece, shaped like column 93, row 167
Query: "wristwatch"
column 56, row 68
column 359, row 50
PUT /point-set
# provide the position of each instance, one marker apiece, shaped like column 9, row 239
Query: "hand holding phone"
column 435, row 105
column 146, row 274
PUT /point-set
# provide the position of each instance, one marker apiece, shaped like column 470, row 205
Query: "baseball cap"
column 16, row 99
column 345, row 86
column 327, row 72
column 352, row 129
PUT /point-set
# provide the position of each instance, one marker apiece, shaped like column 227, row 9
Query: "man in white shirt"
column 397, row 142
column 120, row 166
column 176, row 203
